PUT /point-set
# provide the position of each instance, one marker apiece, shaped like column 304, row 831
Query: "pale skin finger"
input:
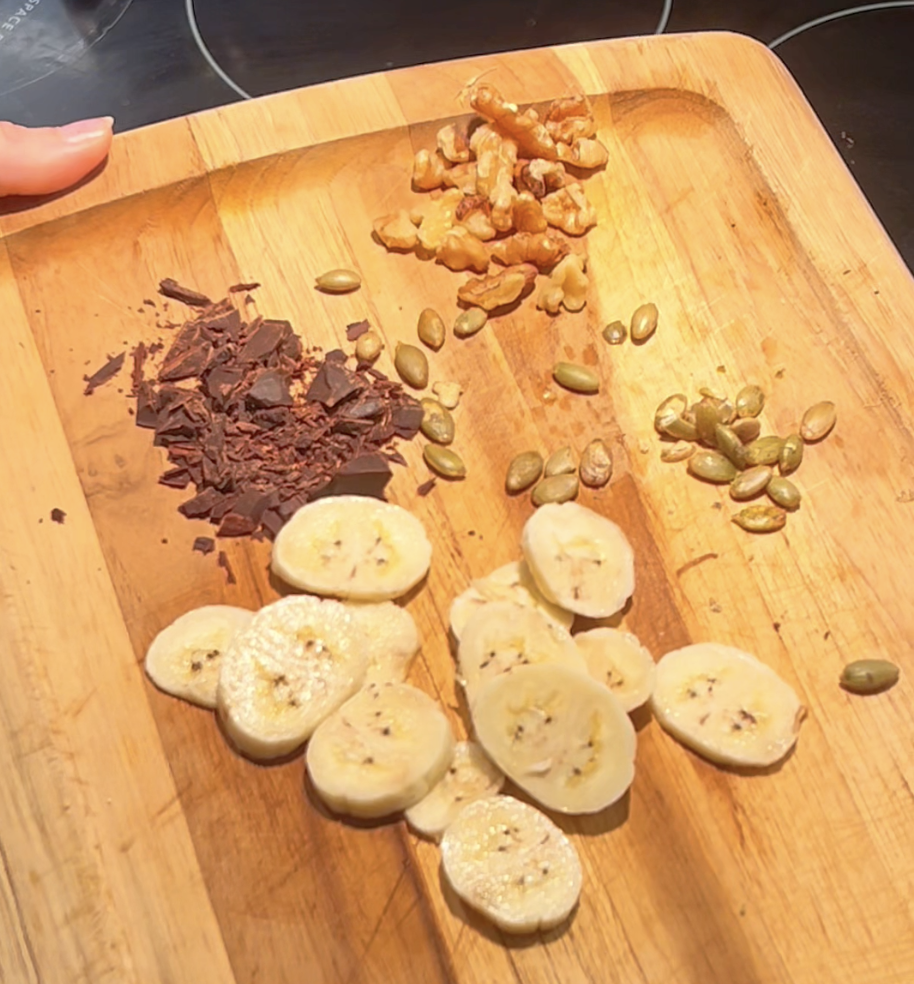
column 41, row 161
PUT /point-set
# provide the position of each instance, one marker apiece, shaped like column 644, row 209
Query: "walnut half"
column 499, row 290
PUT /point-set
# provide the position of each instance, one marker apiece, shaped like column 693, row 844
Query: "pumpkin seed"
column 578, row 379
column 644, row 322
column 761, row 519
column 678, row 451
column 869, row 676
column 818, row 421
column 431, row 330
column 615, row 333
column 750, row 483
column 749, row 401
column 706, row 419
column 437, row 423
column 681, row 429
column 556, row 488
column 596, row 464
column 368, row 347
column 747, row 429
column 561, row 462
column 469, row 322
column 525, row 469
column 669, row 419
column 412, row 365
column 711, row 466
column 791, row 454
column 338, row 281
column 444, row 461
column 764, row 450
column 784, row 493
column 448, row 394
column 730, row 445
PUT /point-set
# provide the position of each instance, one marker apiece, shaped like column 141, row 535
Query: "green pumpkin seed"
column 761, row 519
column 596, row 464
column 469, row 322
column 730, row 445
column 791, row 454
column 431, row 330
column 747, row 429
column 711, row 466
column 749, row 401
column 678, row 451
column 578, row 379
column 818, row 421
column 644, row 322
column 412, row 365
column 764, row 450
column 750, row 483
column 561, row 462
column 437, row 423
column 338, row 281
column 615, row 333
column 368, row 347
column 706, row 419
column 869, row 676
column 681, row 429
column 444, row 461
column 556, row 488
column 525, row 469
column 669, row 419
column 784, row 493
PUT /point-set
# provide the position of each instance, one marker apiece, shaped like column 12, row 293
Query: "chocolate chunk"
column 264, row 340
column 426, row 487
column 333, row 384
column 336, row 355
column 244, row 515
column 175, row 478
column 406, row 420
column 204, row 545
column 58, row 515
column 230, row 323
column 356, row 330
column 270, row 389
column 367, row 475
column 146, row 406
column 225, row 564
column 108, row 371
column 139, row 361
column 171, row 288
column 188, row 356
column 201, row 505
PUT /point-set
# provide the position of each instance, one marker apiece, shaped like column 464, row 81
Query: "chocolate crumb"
column 426, row 487
column 204, row 545
column 356, row 330
column 242, row 288
column 226, row 565
column 58, row 515
column 171, row 288
column 108, row 371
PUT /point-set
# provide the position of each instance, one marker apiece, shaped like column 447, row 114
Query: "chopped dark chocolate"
column 189, row 356
column 333, row 384
column 225, row 564
column 204, row 545
column 175, row 478
column 426, row 487
column 108, row 371
column 171, row 288
column 58, row 515
column 406, row 421
column 356, row 330
column 270, row 389
column 264, row 340
column 139, row 360
column 242, row 288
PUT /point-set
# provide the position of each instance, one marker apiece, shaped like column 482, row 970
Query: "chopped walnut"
column 502, row 198
column 586, row 154
column 539, row 177
column 437, row 217
column 461, row 250
column 566, row 285
column 428, row 170
column 462, row 176
column 397, row 231
column 495, row 156
column 525, row 128
column 528, row 214
column 550, row 298
column 454, row 143
column 569, row 210
column 542, row 249
column 496, row 291
column 569, row 120
column 475, row 212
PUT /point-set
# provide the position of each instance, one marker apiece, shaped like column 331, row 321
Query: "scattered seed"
column 525, row 469
column 764, row 450
column 557, row 488
column 368, row 347
column 431, row 330
column 869, row 676
column 615, row 333
column 669, row 419
column 448, row 394
column 749, row 401
column 706, row 419
column 437, row 423
column 644, row 322
column 747, row 429
column 750, row 483
column 578, row 379
column 678, row 451
column 469, row 322
column 791, row 454
column 338, row 281
column 412, row 365
column 444, row 461
column 596, row 464
column 711, row 466
column 784, row 493
column 561, row 462
column 818, row 421
column 730, row 445
column 761, row 519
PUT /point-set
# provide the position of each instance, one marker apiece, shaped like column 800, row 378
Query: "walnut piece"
column 436, row 218
column 569, row 210
column 524, row 128
column 397, row 231
column 461, row 250
column 586, row 154
column 454, row 144
column 502, row 198
column 569, row 120
column 496, row 158
column 542, row 249
column 496, row 291
column 462, row 176
column 428, row 170
column 539, row 177
column 550, row 298
column 528, row 214
column 567, row 285
column 474, row 212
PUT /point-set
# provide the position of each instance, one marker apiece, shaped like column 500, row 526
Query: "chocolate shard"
column 333, row 384
column 426, row 487
column 189, row 355
column 108, row 371
column 367, row 474
column 226, row 565
column 406, row 420
column 336, row 355
column 171, row 288
column 242, row 288
column 201, row 505
column 139, row 361
column 270, row 389
column 220, row 382
column 244, row 515
column 204, row 545
column 264, row 340
column 356, row 330
column 146, row 406
column 230, row 323
column 175, row 478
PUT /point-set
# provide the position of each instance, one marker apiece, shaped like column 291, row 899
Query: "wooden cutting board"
column 136, row 847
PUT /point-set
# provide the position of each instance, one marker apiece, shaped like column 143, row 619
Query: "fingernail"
column 85, row 130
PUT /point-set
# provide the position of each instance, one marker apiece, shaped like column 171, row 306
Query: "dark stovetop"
column 153, row 59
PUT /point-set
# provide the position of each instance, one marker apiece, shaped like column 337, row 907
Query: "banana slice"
column 470, row 776
column 502, row 636
column 726, row 705
column 382, row 751
column 513, row 864
column 511, row 582
column 389, row 637
column 619, row 661
column 352, row 546
column 296, row 662
column 184, row 658
column 579, row 559
column 559, row 735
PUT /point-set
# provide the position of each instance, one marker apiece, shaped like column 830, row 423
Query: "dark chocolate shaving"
column 242, row 288
column 171, row 288
column 204, row 545
column 108, row 371
column 355, row 331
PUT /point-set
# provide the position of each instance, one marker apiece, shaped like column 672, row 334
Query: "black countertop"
column 148, row 60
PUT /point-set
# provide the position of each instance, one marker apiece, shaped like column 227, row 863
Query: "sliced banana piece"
column 560, row 735
column 579, row 559
column 184, row 658
column 513, row 864
column 502, row 636
column 295, row 663
column 510, row 582
column 382, row 751
column 619, row 661
column 390, row 639
column 470, row 776
column 726, row 705
column 352, row 546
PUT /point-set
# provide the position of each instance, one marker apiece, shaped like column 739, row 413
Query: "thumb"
column 44, row 160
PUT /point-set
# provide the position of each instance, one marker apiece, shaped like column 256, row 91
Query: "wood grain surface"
column 135, row 846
